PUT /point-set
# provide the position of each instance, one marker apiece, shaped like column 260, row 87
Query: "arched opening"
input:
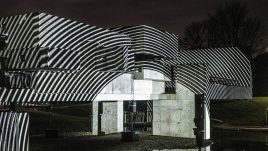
column 112, row 105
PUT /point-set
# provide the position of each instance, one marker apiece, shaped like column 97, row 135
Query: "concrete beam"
column 137, row 97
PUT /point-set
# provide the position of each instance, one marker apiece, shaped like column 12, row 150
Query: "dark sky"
column 170, row 15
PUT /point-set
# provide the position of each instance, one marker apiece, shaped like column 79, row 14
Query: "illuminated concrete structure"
column 46, row 59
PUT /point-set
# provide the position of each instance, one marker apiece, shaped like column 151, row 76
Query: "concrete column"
column 166, row 117
column 207, row 124
column 176, row 117
column 186, row 99
column 95, row 118
column 111, row 118
column 120, row 116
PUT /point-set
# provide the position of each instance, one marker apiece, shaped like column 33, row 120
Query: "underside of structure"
column 46, row 59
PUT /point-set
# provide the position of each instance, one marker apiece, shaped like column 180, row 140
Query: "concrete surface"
column 111, row 119
column 175, row 117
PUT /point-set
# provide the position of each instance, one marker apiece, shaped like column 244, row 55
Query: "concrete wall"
column 187, row 100
column 145, row 82
column 127, row 85
column 94, row 118
column 111, row 119
column 175, row 117
column 166, row 117
column 120, row 85
column 149, row 87
column 146, row 74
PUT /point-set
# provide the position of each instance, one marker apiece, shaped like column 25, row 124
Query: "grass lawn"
column 244, row 112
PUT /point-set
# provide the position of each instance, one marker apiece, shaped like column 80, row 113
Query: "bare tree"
column 195, row 36
column 229, row 26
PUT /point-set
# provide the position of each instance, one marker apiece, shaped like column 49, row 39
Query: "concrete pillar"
column 166, row 117
column 186, row 99
column 207, row 124
column 176, row 117
column 185, row 95
column 120, row 116
column 95, row 118
column 111, row 117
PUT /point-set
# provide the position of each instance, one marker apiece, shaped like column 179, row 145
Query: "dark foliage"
column 229, row 26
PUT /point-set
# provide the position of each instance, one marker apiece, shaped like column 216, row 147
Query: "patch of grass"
column 261, row 99
column 244, row 112
column 239, row 135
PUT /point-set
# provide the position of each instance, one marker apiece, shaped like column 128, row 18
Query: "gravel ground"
column 109, row 143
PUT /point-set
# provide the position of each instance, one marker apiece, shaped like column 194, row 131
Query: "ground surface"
column 244, row 112
column 109, row 143
column 74, row 118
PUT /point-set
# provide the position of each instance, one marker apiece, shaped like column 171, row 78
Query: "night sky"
column 170, row 15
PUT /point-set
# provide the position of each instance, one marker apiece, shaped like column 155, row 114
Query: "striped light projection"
column 47, row 58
